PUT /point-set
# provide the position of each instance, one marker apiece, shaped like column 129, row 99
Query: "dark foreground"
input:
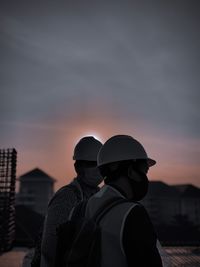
column 179, row 256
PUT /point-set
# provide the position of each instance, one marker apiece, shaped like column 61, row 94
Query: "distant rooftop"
column 188, row 190
column 161, row 189
column 36, row 175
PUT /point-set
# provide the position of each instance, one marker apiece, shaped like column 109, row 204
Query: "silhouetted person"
column 128, row 237
column 81, row 188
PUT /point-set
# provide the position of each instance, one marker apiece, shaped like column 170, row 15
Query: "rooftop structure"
column 36, row 189
column 164, row 202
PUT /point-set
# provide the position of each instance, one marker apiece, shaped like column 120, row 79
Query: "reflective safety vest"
column 112, row 225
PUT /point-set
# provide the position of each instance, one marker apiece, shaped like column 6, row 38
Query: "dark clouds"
column 119, row 60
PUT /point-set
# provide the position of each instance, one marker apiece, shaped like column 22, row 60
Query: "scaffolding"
column 8, row 159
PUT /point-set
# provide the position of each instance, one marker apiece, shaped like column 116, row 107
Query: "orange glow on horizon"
column 56, row 157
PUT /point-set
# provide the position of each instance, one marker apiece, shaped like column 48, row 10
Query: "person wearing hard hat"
column 81, row 188
column 128, row 237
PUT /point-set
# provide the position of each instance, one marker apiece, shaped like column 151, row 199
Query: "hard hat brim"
column 151, row 162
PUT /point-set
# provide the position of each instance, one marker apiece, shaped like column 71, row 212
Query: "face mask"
column 92, row 176
column 139, row 183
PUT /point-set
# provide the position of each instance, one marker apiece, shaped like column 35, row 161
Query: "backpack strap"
column 104, row 209
column 80, row 210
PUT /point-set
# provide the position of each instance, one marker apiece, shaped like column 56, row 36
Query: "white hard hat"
column 87, row 149
column 120, row 148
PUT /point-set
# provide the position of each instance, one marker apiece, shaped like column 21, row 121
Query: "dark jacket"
column 58, row 211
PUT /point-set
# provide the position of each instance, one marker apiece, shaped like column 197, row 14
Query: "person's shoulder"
column 64, row 189
column 138, row 214
column 63, row 193
column 67, row 187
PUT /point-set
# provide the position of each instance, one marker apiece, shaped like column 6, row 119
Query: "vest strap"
column 106, row 207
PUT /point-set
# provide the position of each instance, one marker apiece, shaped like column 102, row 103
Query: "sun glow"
column 94, row 134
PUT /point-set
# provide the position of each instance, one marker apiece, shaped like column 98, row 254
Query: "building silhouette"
column 164, row 202
column 35, row 191
column 8, row 159
column 190, row 202
column 174, row 210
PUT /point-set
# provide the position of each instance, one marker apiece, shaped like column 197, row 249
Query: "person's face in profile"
column 141, row 165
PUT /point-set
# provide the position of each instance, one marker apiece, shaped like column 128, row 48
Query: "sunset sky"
column 75, row 68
